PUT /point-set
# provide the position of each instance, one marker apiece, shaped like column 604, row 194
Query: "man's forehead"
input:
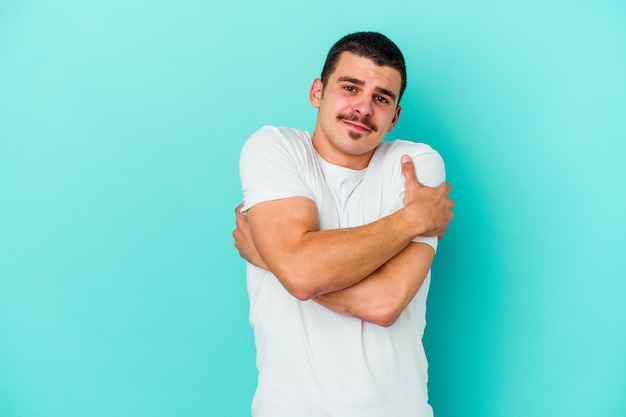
column 350, row 65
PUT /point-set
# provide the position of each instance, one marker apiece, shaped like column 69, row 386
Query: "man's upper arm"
column 279, row 228
column 277, row 200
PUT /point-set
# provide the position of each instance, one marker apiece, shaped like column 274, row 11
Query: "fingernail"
column 405, row 159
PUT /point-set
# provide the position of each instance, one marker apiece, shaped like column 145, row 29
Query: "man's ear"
column 315, row 95
column 395, row 118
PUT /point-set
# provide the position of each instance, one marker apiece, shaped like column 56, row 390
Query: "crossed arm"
column 371, row 272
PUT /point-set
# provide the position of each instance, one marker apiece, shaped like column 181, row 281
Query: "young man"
column 340, row 235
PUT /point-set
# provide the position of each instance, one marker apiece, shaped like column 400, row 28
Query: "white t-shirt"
column 313, row 361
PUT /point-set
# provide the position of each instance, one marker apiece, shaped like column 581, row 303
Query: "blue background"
column 120, row 128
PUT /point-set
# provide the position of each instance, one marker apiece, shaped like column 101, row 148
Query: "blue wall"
column 120, row 128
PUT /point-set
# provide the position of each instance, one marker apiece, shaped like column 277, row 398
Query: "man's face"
column 357, row 107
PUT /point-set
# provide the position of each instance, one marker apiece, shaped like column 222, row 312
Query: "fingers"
column 432, row 204
column 408, row 170
column 240, row 228
column 412, row 186
column 446, row 187
column 445, row 190
column 241, row 235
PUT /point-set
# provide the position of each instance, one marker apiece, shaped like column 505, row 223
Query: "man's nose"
column 363, row 107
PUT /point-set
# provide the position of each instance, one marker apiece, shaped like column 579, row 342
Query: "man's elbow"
column 300, row 291
column 387, row 319
column 302, row 295
column 303, row 278
column 385, row 314
column 297, row 285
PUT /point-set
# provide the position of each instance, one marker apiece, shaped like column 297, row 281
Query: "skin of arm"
column 383, row 295
column 380, row 298
column 309, row 262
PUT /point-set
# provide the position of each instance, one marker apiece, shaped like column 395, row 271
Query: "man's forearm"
column 313, row 262
column 382, row 296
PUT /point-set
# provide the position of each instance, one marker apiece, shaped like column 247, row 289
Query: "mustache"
column 354, row 118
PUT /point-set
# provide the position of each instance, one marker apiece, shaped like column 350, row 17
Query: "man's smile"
column 356, row 123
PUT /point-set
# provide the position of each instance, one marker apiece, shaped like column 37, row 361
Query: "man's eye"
column 382, row 99
column 349, row 88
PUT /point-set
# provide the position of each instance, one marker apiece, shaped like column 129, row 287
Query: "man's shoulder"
column 429, row 165
column 394, row 149
column 270, row 140
column 273, row 146
column 279, row 133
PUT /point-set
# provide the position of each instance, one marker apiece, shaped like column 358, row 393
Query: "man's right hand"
column 243, row 240
column 431, row 206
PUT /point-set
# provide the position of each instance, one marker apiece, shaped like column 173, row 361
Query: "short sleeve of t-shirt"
column 271, row 167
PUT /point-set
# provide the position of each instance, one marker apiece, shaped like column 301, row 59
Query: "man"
column 340, row 236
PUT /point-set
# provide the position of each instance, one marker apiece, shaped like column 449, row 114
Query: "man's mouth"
column 357, row 123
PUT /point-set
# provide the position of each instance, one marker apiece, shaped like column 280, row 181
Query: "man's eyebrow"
column 351, row 80
column 356, row 81
column 386, row 92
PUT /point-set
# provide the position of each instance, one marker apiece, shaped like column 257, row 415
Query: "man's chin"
column 355, row 135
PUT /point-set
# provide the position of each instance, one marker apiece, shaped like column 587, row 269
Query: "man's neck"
column 334, row 156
